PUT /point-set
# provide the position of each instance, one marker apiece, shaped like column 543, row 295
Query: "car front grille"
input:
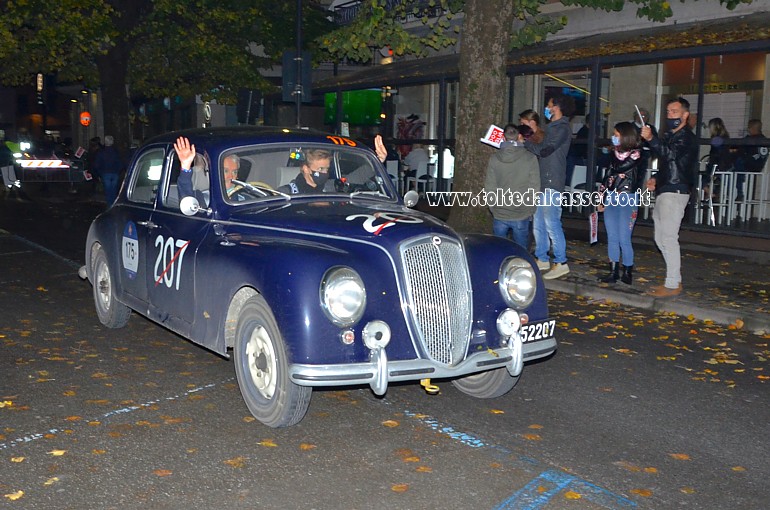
column 439, row 296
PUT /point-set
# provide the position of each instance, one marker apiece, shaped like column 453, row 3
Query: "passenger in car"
column 313, row 174
column 185, row 151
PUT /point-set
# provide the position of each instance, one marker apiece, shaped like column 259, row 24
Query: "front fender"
column 287, row 273
column 486, row 254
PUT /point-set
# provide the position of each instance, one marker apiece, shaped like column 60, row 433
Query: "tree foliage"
column 484, row 24
column 152, row 48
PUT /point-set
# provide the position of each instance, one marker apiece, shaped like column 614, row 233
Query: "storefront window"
column 733, row 90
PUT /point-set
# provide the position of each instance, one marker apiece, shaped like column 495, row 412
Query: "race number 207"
column 168, row 264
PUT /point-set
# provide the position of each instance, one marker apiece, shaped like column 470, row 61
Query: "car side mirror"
column 411, row 198
column 189, row 206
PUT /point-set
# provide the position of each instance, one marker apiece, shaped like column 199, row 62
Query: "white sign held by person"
column 495, row 135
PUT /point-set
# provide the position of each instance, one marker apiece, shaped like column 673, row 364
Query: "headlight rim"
column 520, row 264
column 329, row 278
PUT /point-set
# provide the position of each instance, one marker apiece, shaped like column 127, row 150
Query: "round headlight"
column 518, row 282
column 343, row 297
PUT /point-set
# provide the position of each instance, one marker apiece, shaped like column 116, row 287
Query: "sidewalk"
column 724, row 284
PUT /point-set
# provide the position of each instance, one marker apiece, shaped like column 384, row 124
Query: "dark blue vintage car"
column 311, row 284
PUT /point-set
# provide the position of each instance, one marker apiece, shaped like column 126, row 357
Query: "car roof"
column 218, row 139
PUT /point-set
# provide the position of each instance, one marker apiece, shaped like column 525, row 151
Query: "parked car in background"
column 341, row 286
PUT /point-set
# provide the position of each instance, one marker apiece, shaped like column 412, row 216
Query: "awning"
column 734, row 34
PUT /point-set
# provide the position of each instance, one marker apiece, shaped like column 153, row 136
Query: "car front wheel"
column 491, row 384
column 112, row 313
column 262, row 368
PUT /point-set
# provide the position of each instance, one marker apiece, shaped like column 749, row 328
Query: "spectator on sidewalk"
column 578, row 150
column 108, row 166
column 620, row 200
column 532, row 119
column 552, row 158
column 677, row 151
column 751, row 159
column 417, row 156
column 512, row 171
column 719, row 153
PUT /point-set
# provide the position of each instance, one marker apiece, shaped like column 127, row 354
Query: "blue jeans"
column 548, row 230
column 519, row 229
column 110, row 183
column 619, row 220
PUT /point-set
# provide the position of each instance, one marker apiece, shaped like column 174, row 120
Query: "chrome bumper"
column 378, row 372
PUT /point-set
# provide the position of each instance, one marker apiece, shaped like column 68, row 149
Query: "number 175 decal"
column 168, row 264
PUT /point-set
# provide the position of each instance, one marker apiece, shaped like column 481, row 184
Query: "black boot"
column 613, row 275
column 628, row 275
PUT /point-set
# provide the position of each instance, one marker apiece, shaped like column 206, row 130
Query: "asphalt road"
column 636, row 410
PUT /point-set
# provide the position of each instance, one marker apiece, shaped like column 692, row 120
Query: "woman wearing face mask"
column 620, row 200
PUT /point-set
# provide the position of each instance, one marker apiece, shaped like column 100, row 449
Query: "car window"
column 146, row 176
column 279, row 169
column 199, row 181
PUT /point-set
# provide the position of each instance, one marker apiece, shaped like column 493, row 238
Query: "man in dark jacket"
column 751, row 158
column 552, row 158
column 677, row 151
column 108, row 165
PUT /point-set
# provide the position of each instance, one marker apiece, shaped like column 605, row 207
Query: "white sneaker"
column 543, row 265
column 557, row 271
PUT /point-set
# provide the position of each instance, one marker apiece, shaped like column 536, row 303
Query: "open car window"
column 277, row 171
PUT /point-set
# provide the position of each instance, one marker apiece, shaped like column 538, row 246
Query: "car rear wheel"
column 112, row 313
column 262, row 368
column 491, row 384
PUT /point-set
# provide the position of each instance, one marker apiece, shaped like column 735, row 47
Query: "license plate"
column 535, row 331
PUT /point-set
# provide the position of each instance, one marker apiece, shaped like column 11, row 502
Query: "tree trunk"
column 484, row 47
column 113, row 69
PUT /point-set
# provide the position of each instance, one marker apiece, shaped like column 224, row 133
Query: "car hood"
column 363, row 219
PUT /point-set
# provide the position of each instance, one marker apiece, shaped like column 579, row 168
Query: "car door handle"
column 149, row 224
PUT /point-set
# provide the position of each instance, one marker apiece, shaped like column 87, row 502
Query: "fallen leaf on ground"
column 237, row 462
column 267, row 442
column 679, row 456
column 400, row 487
column 15, row 495
column 163, row 472
column 57, row 453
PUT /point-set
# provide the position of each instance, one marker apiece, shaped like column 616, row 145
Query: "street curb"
column 755, row 322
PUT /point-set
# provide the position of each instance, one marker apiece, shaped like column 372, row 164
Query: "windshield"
column 264, row 172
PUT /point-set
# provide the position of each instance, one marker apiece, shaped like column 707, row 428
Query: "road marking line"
column 532, row 496
column 538, row 492
column 39, row 435
column 46, row 250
